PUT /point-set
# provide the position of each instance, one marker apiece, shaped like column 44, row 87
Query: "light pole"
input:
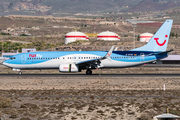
column 134, row 26
column 2, row 49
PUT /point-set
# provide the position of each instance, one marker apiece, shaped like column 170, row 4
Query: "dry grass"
column 5, row 102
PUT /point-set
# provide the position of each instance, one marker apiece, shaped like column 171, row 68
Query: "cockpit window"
column 12, row 58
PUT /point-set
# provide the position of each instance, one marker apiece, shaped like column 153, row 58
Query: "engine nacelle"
column 69, row 68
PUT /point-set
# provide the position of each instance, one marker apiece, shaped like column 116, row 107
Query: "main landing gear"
column 88, row 72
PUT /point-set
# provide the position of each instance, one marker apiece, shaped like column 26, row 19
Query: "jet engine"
column 69, row 68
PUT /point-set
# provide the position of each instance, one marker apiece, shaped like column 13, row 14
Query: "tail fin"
column 160, row 40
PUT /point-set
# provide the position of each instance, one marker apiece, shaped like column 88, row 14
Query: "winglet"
column 116, row 49
column 109, row 53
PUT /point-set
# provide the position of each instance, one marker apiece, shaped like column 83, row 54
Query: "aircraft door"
column 142, row 57
column 23, row 58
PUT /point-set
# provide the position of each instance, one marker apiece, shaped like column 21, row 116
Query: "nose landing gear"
column 20, row 73
column 88, row 72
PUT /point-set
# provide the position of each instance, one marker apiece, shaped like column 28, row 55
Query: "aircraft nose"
column 5, row 63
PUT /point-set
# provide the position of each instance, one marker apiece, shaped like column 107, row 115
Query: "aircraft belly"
column 53, row 64
column 115, row 64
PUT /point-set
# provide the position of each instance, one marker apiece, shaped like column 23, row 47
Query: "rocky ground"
column 84, row 98
column 89, row 98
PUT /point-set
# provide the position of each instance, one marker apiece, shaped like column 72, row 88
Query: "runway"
column 89, row 76
column 97, row 96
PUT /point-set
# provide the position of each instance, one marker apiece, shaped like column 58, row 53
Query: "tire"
column 89, row 72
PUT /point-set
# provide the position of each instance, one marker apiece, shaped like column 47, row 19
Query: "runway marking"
column 90, row 76
column 96, row 96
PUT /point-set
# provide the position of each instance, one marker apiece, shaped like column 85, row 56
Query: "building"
column 75, row 36
column 171, row 59
column 108, row 36
column 24, row 50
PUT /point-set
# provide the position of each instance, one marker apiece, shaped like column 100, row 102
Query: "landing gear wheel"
column 88, row 72
column 20, row 73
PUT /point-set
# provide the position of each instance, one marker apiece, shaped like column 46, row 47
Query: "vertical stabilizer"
column 160, row 40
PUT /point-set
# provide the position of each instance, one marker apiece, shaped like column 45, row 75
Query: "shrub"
column 13, row 114
column 5, row 34
column 25, row 118
column 24, row 35
column 144, row 117
column 5, row 102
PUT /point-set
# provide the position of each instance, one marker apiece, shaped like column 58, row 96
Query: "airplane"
column 75, row 61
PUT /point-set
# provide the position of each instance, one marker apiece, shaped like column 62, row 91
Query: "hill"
column 151, row 5
column 49, row 7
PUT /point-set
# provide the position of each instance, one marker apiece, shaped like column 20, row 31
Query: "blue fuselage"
column 52, row 60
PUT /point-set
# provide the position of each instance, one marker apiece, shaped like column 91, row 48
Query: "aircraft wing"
column 97, row 61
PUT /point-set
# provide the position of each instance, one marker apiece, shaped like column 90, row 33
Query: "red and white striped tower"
column 145, row 37
column 108, row 36
column 74, row 36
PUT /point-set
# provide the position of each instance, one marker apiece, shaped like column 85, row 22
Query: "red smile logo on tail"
column 160, row 44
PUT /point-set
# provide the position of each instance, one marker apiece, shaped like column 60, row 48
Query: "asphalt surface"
column 90, row 76
column 87, row 96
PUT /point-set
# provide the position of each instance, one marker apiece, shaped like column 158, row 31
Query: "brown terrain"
column 90, row 98
column 87, row 98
